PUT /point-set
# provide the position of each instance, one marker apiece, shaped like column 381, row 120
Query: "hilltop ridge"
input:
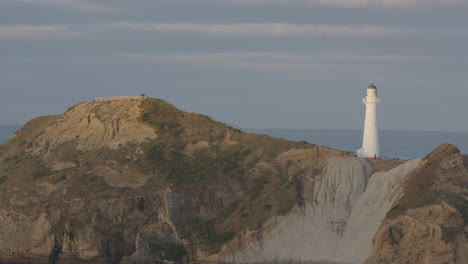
column 144, row 166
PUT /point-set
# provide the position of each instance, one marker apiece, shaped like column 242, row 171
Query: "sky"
column 295, row 64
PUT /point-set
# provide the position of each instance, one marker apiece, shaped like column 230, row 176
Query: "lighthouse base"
column 362, row 153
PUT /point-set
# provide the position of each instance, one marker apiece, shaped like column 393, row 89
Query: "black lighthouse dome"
column 371, row 86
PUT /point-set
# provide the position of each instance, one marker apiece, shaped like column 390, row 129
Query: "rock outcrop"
column 424, row 235
column 428, row 223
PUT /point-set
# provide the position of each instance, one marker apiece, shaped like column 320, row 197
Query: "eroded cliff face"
column 343, row 209
column 94, row 125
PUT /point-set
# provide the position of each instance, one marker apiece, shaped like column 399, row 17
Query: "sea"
column 393, row 144
column 7, row 131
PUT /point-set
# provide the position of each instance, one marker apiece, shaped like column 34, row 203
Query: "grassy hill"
column 90, row 183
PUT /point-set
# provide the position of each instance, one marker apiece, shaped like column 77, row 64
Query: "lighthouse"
column 370, row 140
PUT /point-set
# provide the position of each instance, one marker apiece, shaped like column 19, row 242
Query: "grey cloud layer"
column 270, row 29
column 99, row 6
column 41, row 32
column 92, row 6
column 283, row 29
column 344, row 63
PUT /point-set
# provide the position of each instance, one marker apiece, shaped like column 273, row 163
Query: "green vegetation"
column 229, row 210
column 3, row 179
column 162, row 116
column 67, row 151
column 401, row 209
column 458, row 201
column 167, row 154
column 428, row 201
column 201, row 166
column 196, row 221
column 41, row 172
column 270, row 147
column 257, row 188
column 286, row 200
column 167, row 251
column 395, row 212
column 218, row 239
column 450, row 234
column 95, row 183
column 15, row 159
column 58, row 227
column 418, row 191
column 211, row 240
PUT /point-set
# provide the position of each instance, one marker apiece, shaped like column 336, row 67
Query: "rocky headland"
column 139, row 181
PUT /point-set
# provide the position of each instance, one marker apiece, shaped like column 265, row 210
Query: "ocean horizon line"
column 315, row 129
column 357, row 130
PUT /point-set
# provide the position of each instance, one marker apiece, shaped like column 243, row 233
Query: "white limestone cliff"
column 343, row 210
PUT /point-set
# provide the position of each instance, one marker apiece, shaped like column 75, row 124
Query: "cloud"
column 270, row 29
column 358, row 3
column 342, row 3
column 241, row 30
column 343, row 63
column 282, row 29
column 382, row 3
column 101, row 6
column 243, row 59
column 83, row 5
column 23, row 32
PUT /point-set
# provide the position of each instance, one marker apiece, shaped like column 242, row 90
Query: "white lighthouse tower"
column 370, row 140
